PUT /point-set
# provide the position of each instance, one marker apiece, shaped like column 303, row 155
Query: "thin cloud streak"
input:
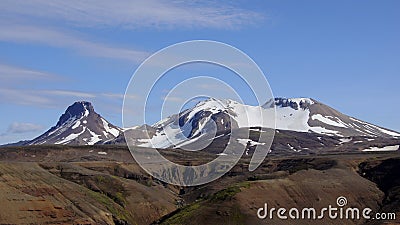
column 130, row 14
column 12, row 75
column 19, row 128
column 63, row 39
column 23, row 97
column 120, row 96
column 77, row 94
column 41, row 98
column 11, row 78
column 54, row 98
column 172, row 99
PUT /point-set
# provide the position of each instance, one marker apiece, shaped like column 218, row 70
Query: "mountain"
column 309, row 115
column 302, row 115
column 79, row 125
column 301, row 124
column 19, row 143
column 137, row 134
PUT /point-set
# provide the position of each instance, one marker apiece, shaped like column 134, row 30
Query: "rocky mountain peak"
column 294, row 103
column 78, row 125
column 75, row 111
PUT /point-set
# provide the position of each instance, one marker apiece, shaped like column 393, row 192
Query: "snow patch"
column 86, row 113
column 345, row 140
column 70, row 137
column 246, row 141
column 76, row 125
column 129, row 128
column 288, row 118
column 170, row 135
column 110, row 130
column 322, row 130
column 94, row 139
column 388, row 132
column 327, row 120
column 63, row 127
column 386, row 148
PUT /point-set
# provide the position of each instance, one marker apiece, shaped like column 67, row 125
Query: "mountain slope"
column 319, row 118
column 79, row 125
column 218, row 117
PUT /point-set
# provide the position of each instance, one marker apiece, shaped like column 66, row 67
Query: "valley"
column 104, row 185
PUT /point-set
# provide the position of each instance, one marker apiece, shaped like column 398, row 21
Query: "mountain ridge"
column 81, row 125
column 296, row 114
column 78, row 125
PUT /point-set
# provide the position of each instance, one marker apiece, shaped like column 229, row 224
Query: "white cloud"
column 120, row 96
column 113, row 95
column 58, row 98
column 42, row 98
column 52, row 22
column 19, row 128
column 133, row 14
column 24, row 97
column 172, row 99
column 77, row 94
column 64, row 39
column 14, row 80
column 212, row 86
column 20, row 131
column 12, row 74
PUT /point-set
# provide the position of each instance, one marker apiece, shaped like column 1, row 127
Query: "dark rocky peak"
column 77, row 110
column 294, row 103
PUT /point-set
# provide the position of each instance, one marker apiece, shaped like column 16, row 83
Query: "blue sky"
column 343, row 53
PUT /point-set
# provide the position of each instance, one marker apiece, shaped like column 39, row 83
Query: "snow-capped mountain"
column 138, row 135
column 79, row 125
column 207, row 120
column 309, row 115
column 297, row 114
column 301, row 123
